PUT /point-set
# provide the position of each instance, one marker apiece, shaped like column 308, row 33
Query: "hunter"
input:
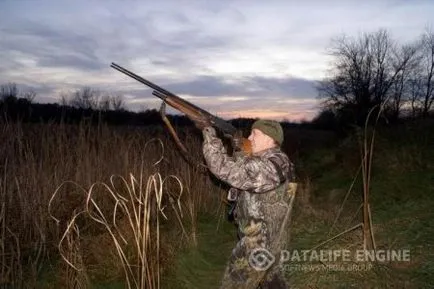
column 259, row 184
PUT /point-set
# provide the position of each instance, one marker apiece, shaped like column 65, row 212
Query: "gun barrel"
column 142, row 80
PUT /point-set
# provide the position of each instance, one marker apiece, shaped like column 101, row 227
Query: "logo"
column 261, row 259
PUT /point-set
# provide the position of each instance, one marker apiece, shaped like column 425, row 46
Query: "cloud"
column 215, row 93
column 50, row 47
column 207, row 85
column 237, row 55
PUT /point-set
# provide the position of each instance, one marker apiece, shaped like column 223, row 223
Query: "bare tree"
column 8, row 91
column 104, row 103
column 427, row 64
column 405, row 62
column 29, row 95
column 415, row 93
column 85, row 98
column 117, row 102
column 11, row 92
column 363, row 72
column 64, row 99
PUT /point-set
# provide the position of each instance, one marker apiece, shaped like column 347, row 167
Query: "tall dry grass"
column 35, row 159
column 132, row 225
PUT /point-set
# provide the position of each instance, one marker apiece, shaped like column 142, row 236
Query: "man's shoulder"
column 275, row 155
column 276, row 152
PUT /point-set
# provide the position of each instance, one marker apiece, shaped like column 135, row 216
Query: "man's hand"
column 209, row 133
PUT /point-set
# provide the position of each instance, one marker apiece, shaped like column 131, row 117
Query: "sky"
column 233, row 58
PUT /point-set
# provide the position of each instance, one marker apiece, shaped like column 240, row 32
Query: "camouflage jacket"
column 261, row 181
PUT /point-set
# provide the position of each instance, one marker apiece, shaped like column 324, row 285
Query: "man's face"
column 260, row 141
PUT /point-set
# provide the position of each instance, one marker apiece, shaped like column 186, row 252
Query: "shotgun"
column 192, row 111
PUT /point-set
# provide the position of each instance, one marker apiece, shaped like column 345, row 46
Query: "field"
column 97, row 206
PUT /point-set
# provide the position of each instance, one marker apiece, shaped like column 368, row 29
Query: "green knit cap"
column 271, row 128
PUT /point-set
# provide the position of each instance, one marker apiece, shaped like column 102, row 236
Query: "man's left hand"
column 209, row 133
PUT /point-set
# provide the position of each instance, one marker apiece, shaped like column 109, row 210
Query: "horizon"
column 260, row 60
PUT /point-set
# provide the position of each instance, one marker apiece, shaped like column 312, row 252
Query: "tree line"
column 85, row 103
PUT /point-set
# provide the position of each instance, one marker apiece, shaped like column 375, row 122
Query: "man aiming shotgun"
column 262, row 184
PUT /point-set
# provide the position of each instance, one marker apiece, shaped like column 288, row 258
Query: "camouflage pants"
column 239, row 272
column 256, row 280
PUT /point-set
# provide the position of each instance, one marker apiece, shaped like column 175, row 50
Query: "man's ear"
column 271, row 141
